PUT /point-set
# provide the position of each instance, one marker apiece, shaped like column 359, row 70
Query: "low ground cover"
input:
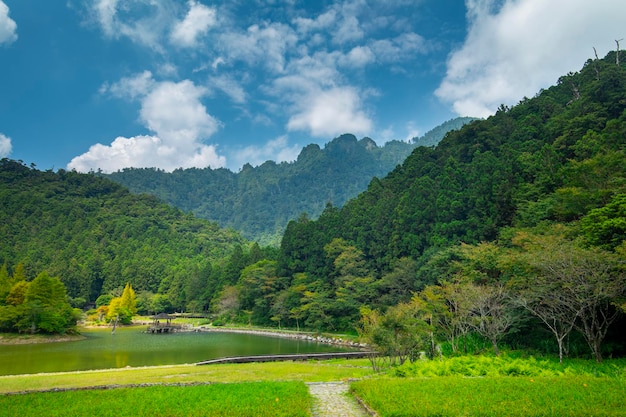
column 504, row 365
column 273, row 399
column 498, row 386
column 494, row 396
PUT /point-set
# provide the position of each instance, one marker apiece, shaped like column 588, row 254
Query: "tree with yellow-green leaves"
column 122, row 309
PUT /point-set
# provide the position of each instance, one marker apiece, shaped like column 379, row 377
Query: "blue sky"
column 107, row 84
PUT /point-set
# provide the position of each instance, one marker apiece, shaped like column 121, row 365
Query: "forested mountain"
column 535, row 193
column 552, row 158
column 259, row 201
column 96, row 236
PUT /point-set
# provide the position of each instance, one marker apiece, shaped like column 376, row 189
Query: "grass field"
column 461, row 386
column 313, row 371
column 494, row 396
column 272, row 399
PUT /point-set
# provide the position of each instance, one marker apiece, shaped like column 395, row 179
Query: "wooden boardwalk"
column 164, row 328
column 288, row 357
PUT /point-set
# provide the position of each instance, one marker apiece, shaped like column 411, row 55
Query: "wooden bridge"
column 289, row 357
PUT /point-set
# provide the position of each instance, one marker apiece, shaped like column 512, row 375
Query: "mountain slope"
column 259, row 201
column 552, row 158
column 96, row 236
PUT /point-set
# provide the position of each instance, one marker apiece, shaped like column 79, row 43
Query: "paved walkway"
column 332, row 400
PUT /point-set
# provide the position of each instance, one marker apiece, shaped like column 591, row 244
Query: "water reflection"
column 133, row 347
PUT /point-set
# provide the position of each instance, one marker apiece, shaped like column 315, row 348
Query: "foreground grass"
column 467, row 386
column 494, row 396
column 273, row 399
column 313, row 371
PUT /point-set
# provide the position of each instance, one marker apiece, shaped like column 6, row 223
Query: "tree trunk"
column 495, row 347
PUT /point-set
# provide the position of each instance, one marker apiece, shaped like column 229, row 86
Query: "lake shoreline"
column 21, row 339
column 309, row 337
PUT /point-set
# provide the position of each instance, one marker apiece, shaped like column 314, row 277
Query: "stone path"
column 332, row 400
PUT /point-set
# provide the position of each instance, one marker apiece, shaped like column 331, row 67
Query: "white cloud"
column 130, row 87
column 264, row 44
column 349, row 30
column 331, row 112
column 146, row 152
column 8, row 27
column 142, row 21
column 175, row 113
column 359, row 56
column 198, row 21
column 401, row 47
column 277, row 150
column 5, row 146
column 522, row 46
column 217, row 62
column 322, row 22
column 230, row 87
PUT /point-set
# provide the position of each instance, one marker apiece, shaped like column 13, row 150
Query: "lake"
column 133, row 347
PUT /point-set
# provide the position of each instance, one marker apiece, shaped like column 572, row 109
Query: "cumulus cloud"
column 130, row 87
column 264, row 44
column 301, row 70
column 8, row 27
column 198, row 21
column 516, row 47
column 277, row 150
column 321, row 22
column 230, row 87
column 175, row 113
column 330, row 112
column 398, row 48
column 143, row 151
column 5, row 146
column 359, row 56
column 143, row 22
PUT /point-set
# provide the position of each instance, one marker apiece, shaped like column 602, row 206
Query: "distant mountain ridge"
column 260, row 201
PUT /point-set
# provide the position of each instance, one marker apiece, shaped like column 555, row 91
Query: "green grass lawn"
column 311, row 371
column 272, row 399
column 461, row 386
column 494, row 396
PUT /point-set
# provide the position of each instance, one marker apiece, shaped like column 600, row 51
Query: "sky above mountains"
column 108, row 84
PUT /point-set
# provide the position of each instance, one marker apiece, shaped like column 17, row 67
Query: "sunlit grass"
column 477, row 366
column 494, row 396
column 273, row 399
column 312, row 371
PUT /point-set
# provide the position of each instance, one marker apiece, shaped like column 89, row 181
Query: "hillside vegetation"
column 96, row 236
column 260, row 201
column 533, row 195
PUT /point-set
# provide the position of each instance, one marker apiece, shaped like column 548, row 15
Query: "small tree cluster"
column 37, row 306
column 564, row 285
column 117, row 309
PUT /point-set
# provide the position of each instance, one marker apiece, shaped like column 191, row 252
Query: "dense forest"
column 96, row 236
column 260, row 201
column 512, row 229
column 533, row 190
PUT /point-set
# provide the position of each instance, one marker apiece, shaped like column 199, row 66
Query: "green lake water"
column 134, row 347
